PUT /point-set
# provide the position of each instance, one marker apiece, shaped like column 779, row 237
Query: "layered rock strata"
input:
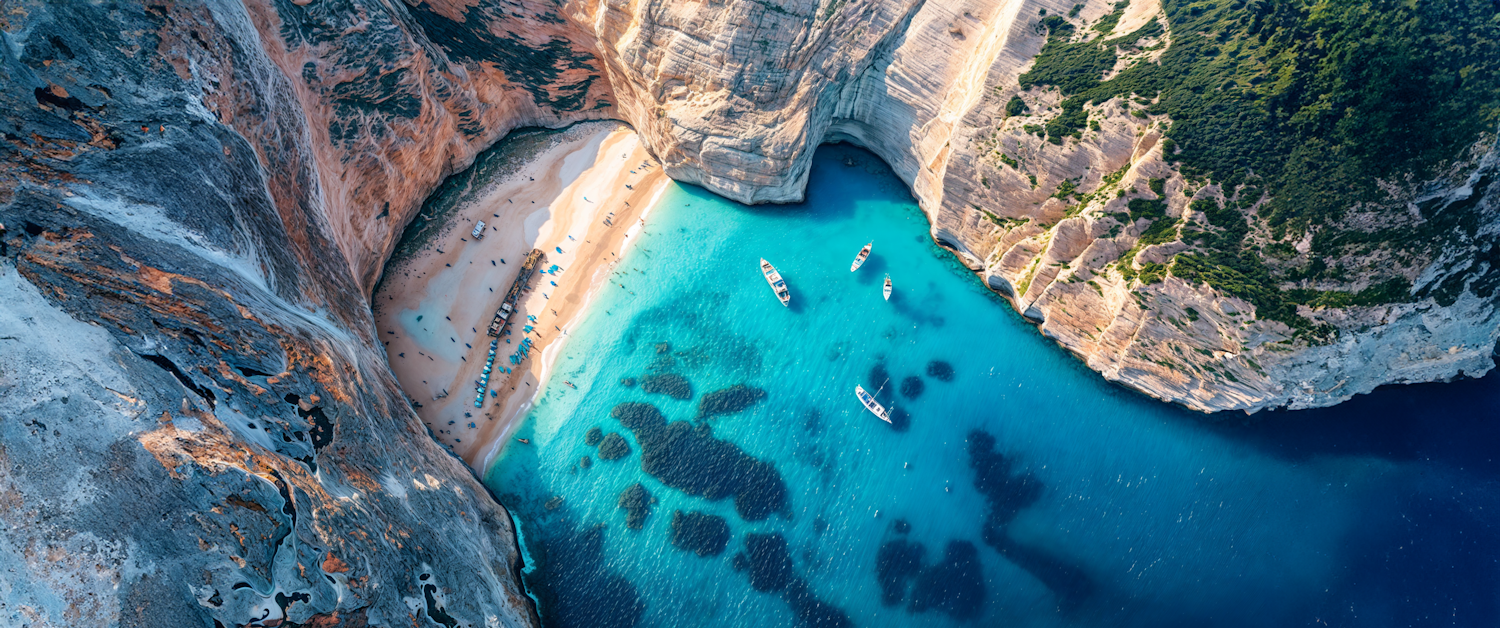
column 198, row 197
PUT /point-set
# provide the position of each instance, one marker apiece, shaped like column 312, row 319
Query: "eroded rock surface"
column 197, row 425
column 199, row 196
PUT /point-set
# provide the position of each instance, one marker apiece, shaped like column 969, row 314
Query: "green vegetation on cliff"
column 1305, row 105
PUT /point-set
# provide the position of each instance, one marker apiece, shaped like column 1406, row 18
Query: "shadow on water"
column 1454, row 421
column 872, row 272
column 1426, row 547
column 926, row 309
column 1007, row 490
column 570, row 565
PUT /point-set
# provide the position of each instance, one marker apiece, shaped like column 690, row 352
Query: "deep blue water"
column 1024, row 491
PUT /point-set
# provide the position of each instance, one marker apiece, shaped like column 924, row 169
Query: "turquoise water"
column 1026, row 491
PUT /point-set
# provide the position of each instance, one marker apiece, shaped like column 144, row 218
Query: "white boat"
column 778, row 285
column 870, row 403
column 887, row 287
column 864, row 253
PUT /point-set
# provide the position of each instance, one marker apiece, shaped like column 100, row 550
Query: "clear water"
column 1114, row 509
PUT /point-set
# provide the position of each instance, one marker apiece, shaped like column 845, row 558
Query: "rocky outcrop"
column 199, row 196
column 735, row 96
column 197, row 425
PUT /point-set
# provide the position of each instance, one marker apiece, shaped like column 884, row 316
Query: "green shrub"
column 1143, row 208
column 1108, row 22
column 1015, row 107
column 1317, row 99
column 1152, row 272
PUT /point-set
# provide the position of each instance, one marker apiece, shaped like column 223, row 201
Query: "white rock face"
column 736, row 96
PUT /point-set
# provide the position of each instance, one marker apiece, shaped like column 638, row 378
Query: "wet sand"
column 433, row 308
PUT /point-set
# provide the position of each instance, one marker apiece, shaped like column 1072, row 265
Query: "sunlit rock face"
column 198, row 198
column 736, row 95
column 198, row 424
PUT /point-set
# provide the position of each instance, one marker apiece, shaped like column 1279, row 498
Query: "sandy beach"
column 433, row 308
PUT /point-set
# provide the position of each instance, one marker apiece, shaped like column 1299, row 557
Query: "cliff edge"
column 1231, row 206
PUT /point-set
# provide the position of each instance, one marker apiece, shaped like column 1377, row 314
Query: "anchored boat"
column 887, row 290
column 778, row 285
column 860, row 259
column 870, row 403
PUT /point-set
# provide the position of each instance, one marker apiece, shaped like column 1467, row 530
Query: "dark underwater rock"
column 940, row 370
column 955, row 585
column 613, row 447
column 896, row 563
column 593, row 436
column 689, row 459
column 700, row 533
column 769, row 564
column 900, row 419
column 628, row 382
column 669, row 384
column 729, row 400
column 586, row 462
column 811, row 611
column 636, row 501
column 769, row 561
column 1006, row 492
column 912, row 387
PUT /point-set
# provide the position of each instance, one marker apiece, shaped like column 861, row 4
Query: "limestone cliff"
column 198, row 423
column 197, row 426
column 735, row 96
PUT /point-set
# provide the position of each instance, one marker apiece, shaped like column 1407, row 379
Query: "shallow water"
column 1026, row 491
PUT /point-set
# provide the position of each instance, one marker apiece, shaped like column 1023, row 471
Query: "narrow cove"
column 707, row 460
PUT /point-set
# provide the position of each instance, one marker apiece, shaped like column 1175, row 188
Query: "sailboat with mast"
column 864, row 254
column 870, row 403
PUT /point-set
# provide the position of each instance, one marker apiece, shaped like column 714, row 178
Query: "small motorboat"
column 778, row 285
column 870, row 403
column 859, row 260
column 887, row 289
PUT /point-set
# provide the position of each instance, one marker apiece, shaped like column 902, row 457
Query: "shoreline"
column 488, row 452
column 568, row 200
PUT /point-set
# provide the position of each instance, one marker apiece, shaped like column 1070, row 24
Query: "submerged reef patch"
column 689, row 459
column 912, row 387
column 1006, row 492
column 900, row 419
column 593, row 436
column 769, row 561
column 613, row 447
column 940, row 370
column 700, row 533
column 669, row 384
column 955, row 585
column 769, row 564
column 636, row 502
column 896, row 563
column 729, row 400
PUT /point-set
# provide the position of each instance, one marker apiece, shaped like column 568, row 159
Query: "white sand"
column 1136, row 15
column 557, row 200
